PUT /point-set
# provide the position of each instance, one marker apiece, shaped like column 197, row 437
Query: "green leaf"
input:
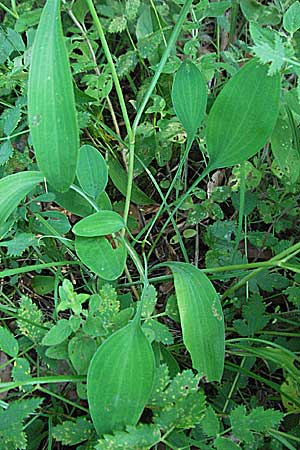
column 81, row 350
column 51, row 103
column 99, row 224
column 76, row 204
column 119, row 178
column 91, row 171
column 57, row 334
column 291, row 18
column 6, row 151
column 120, row 379
column 142, row 437
column 17, row 245
column 189, row 96
column 14, row 188
column 243, row 116
column 149, row 301
column 12, row 435
column 11, row 120
column 210, row 423
column 72, row 433
column 98, row 254
column 225, row 444
column 258, row 420
column 8, row 343
column 274, row 53
column 201, row 319
column 43, row 284
column 32, row 327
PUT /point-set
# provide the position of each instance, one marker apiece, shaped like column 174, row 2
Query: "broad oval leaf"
column 76, row 204
column 98, row 254
column 201, row 319
column 91, row 171
column 99, row 224
column 243, row 116
column 14, row 188
column 119, row 178
column 120, row 379
column 51, row 103
column 189, row 97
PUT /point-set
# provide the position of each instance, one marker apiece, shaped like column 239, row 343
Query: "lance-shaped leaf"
column 189, row 96
column 201, row 319
column 120, row 379
column 91, row 171
column 243, row 116
column 14, row 188
column 99, row 224
column 119, row 178
column 51, row 104
column 105, row 259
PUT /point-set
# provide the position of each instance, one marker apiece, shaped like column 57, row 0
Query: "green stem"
column 241, row 208
column 163, row 60
column 4, row 387
column 6, row 9
column 86, row 197
column 277, row 259
column 179, row 203
column 34, row 267
column 121, row 99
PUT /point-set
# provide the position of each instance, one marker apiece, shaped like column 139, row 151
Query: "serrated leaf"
column 101, row 223
column 120, row 379
column 142, row 437
column 91, row 171
column 274, row 54
column 8, row 343
column 6, row 151
column 210, row 423
column 98, row 254
column 243, row 116
column 161, row 332
column 291, row 18
column 189, row 96
column 21, row 370
column 51, row 103
column 72, row 433
column 14, row 188
column 32, row 327
column 258, row 420
column 201, row 318
column 20, row 243
column 12, row 119
column 17, row 411
column 57, row 334
column 186, row 412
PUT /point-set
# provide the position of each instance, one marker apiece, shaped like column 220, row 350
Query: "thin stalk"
column 164, row 198
column 163, row 60
column 177, row 175
column 277, row 259
column 34, row 267
column 241, row 208
column 86, row 197
column 7, row 138
column 179, row 203
column 6, row 9
column 121, row 99
column 4, row 387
